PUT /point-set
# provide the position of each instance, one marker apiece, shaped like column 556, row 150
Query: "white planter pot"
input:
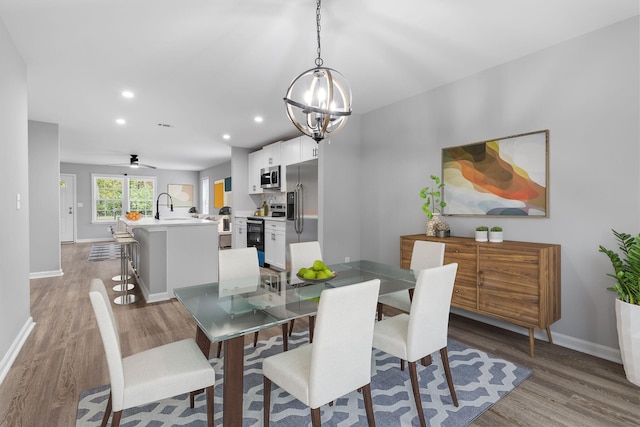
column 495, row 236
column 628, row 322
column 481, row 236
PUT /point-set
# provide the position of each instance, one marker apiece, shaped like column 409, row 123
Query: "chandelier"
column 318, row 101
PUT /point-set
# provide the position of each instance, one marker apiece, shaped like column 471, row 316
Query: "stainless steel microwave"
column 270, row 177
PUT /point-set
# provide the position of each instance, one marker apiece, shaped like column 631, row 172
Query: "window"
column 205, row 195
column 141, row 195
column 114, row 195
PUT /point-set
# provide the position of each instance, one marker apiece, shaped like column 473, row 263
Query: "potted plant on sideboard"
column 434, row 204
column 627, row 275
column 481, row 233
column 495, row 234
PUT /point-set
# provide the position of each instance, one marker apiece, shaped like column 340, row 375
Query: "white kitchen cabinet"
column 308, row 149
column 240, row 232
column 274, row 244
column 299, row 149
column 271, row 155
column 253, row 178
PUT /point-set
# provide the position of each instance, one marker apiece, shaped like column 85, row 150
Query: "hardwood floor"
column 64, row 356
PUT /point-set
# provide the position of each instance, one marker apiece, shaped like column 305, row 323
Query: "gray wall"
column 94, row 232
column 15, row 319
column 214, row 173
column 340, row 193
column 586, row 92
column 44, row 195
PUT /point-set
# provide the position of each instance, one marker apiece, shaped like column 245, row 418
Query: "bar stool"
column 126, row 244
column 119, row 278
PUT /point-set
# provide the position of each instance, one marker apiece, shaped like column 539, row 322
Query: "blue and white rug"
column 480, row 380
column 104, row 252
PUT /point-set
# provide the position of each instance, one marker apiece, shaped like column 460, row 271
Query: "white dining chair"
column 338, row 361
column 424, row 330
column 151, row 375
column 242, row 263
column 425, row 254
column 303, row 254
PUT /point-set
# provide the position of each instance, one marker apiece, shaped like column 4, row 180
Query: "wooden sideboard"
column 518, row 282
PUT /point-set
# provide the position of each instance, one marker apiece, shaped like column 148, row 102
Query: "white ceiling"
column 207, row 67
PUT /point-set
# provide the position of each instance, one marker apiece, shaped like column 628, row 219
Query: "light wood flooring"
column 64, row 356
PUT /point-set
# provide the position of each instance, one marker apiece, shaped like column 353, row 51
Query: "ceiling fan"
column 134, row 162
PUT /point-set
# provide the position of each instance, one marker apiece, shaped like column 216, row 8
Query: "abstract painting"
column 181, row 194
column 501, row 177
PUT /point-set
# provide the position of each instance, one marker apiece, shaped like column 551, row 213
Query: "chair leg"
column 413, row 373
column 266, row 400
column 115, row 422
column 368, row 404
column 312, row 326
column 444, row 355
column 285, row 336
column 291, row 326
column 107, row 412
column 379, row 311
column 402, row 364
column 210, row 395
column 315, row 417
column 255, row 339
column 219, row 349
column 426, row 361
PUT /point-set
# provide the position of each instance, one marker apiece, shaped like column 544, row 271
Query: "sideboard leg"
column 531, row 343
column 549, row 335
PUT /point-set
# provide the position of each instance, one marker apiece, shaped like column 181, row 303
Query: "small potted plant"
column 626, row 267
column 495, row 234
column 482, row 233
column 434, row 204
column 442, row 229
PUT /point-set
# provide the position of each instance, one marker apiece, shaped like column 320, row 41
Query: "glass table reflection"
column 226, row 311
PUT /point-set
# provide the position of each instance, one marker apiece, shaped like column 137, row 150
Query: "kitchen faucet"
column 158, row 204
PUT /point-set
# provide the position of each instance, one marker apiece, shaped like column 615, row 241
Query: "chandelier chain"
column 319, row 60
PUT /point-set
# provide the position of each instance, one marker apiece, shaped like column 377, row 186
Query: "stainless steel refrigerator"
column 302, row 203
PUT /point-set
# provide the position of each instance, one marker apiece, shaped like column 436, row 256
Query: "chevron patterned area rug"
column 480, row 381
column 104, row 252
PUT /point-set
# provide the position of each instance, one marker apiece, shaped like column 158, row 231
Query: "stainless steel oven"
column 255, row 233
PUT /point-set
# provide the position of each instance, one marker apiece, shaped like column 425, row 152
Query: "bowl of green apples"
column 316, row 273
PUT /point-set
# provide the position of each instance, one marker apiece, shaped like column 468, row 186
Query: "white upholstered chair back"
column 110, row 339
column 303, row 254
column 238, row 263
column 341, row 353
column 429, row 316
column 427, row 254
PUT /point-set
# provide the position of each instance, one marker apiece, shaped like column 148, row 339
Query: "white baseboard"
column 43, row 274
column 593, row 349
column 14, row 349
column 149, row 297
column 95, row 240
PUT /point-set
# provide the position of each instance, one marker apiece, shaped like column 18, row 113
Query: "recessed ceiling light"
column 127, row 94
column 258, row 119
column 121, row 121
column 226, row 136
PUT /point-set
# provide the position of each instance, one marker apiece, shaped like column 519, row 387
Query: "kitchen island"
column 173, row 253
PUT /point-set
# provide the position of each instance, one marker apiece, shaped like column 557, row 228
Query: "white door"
column 67, row 208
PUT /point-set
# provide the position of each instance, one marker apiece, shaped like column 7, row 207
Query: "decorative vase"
column 628, row 319
column 431, row 224
column 481, row 236
column 495, row 236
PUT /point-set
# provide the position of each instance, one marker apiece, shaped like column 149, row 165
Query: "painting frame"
column 181, row 195
column 502, row 177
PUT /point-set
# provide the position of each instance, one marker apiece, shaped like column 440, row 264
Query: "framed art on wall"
column 182, row 194
column 501, row 177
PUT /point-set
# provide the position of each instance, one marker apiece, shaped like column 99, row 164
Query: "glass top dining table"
column 226, row 311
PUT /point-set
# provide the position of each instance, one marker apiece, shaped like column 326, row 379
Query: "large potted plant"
column 434, row 204
column 626, row 269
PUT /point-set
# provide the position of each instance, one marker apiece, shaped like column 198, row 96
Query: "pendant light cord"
column 319, row 60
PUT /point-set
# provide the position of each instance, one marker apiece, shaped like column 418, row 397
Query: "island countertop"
column 166, row 222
